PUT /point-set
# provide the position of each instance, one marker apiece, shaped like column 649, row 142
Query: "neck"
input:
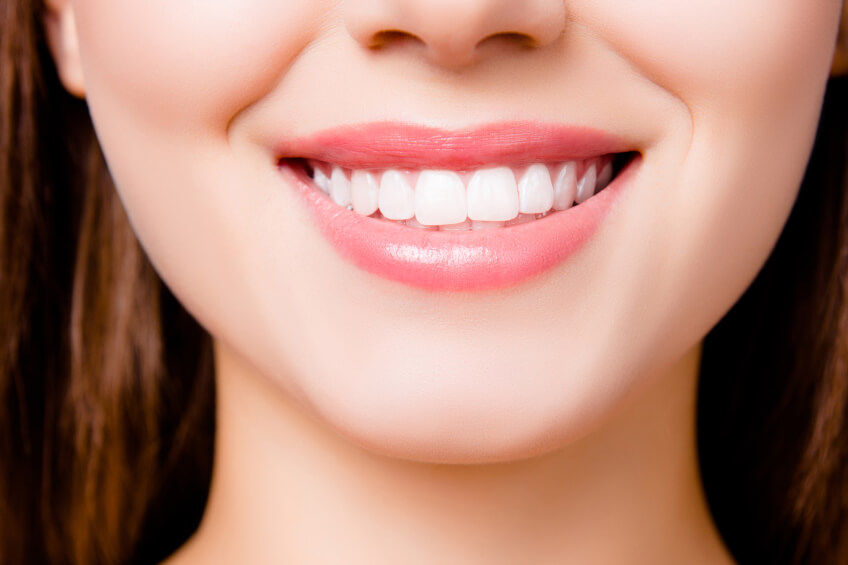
column 287, row 489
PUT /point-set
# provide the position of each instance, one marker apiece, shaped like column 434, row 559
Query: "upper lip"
column 381, row 145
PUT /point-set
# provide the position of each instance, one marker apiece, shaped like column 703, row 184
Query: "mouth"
column 473, row 210
column 462, row 200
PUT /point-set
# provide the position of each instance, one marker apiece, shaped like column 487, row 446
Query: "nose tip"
column 454, row 33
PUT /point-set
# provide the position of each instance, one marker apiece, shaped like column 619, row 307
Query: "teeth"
column 339, row 187
column 440, row 198
column 605, row 176
column 586, row 185
column 397, row 199
column 365, row 192
column 493, row 195
column 535, row 190
column 321, row 180
column 565, row 188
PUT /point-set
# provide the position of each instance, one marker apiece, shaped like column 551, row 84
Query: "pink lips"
column 454, row 261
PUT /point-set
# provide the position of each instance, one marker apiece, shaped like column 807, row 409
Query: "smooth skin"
column 362, row 421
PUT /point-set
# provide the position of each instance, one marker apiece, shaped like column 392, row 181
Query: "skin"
column 535, row 423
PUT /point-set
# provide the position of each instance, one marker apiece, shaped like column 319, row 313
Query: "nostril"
column 390, row 37
column 448, row 33
column 516, row 39
column 394, row 38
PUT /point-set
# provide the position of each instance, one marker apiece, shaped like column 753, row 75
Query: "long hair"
column 105, row 382
column 106, row 390
column 773, row 389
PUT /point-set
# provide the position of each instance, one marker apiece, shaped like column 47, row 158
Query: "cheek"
column 164, row 80
column 189, row 63
column 709, row 52
column 751, row 77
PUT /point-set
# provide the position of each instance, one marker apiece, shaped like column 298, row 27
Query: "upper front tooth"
column 439, row 198
column 397, row 199
column 339, row 187
column 493, row 195
column 535, row 190
column 565, row 187
column 365, row 192
column 586, row 185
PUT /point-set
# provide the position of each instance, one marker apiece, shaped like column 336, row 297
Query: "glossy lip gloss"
column 454, row 261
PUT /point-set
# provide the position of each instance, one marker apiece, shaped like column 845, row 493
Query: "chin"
column 468, row 417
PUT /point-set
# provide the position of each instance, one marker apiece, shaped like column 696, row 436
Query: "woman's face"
column 472, row 345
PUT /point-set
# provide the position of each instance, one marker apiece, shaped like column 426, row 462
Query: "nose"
column 455, row 33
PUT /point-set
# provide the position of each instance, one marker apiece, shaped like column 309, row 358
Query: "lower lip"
column 458, row 261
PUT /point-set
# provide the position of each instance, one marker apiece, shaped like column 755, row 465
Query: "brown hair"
column 105, row 382
column 106, row 394
column 773, row 394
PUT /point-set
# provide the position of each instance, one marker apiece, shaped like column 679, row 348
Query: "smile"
column 490, row 207
column 487, row 198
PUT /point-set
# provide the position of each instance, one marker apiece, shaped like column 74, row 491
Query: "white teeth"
column 440, row 198
column 565, row 187
column 605, row 176
column 535, row 190
column 321, row 180
column 365, row 192
column 493, row 195
column 397, row 199
column 586, row 185
column 339, row 187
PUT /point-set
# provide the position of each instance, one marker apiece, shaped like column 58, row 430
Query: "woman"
column 423, row 350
